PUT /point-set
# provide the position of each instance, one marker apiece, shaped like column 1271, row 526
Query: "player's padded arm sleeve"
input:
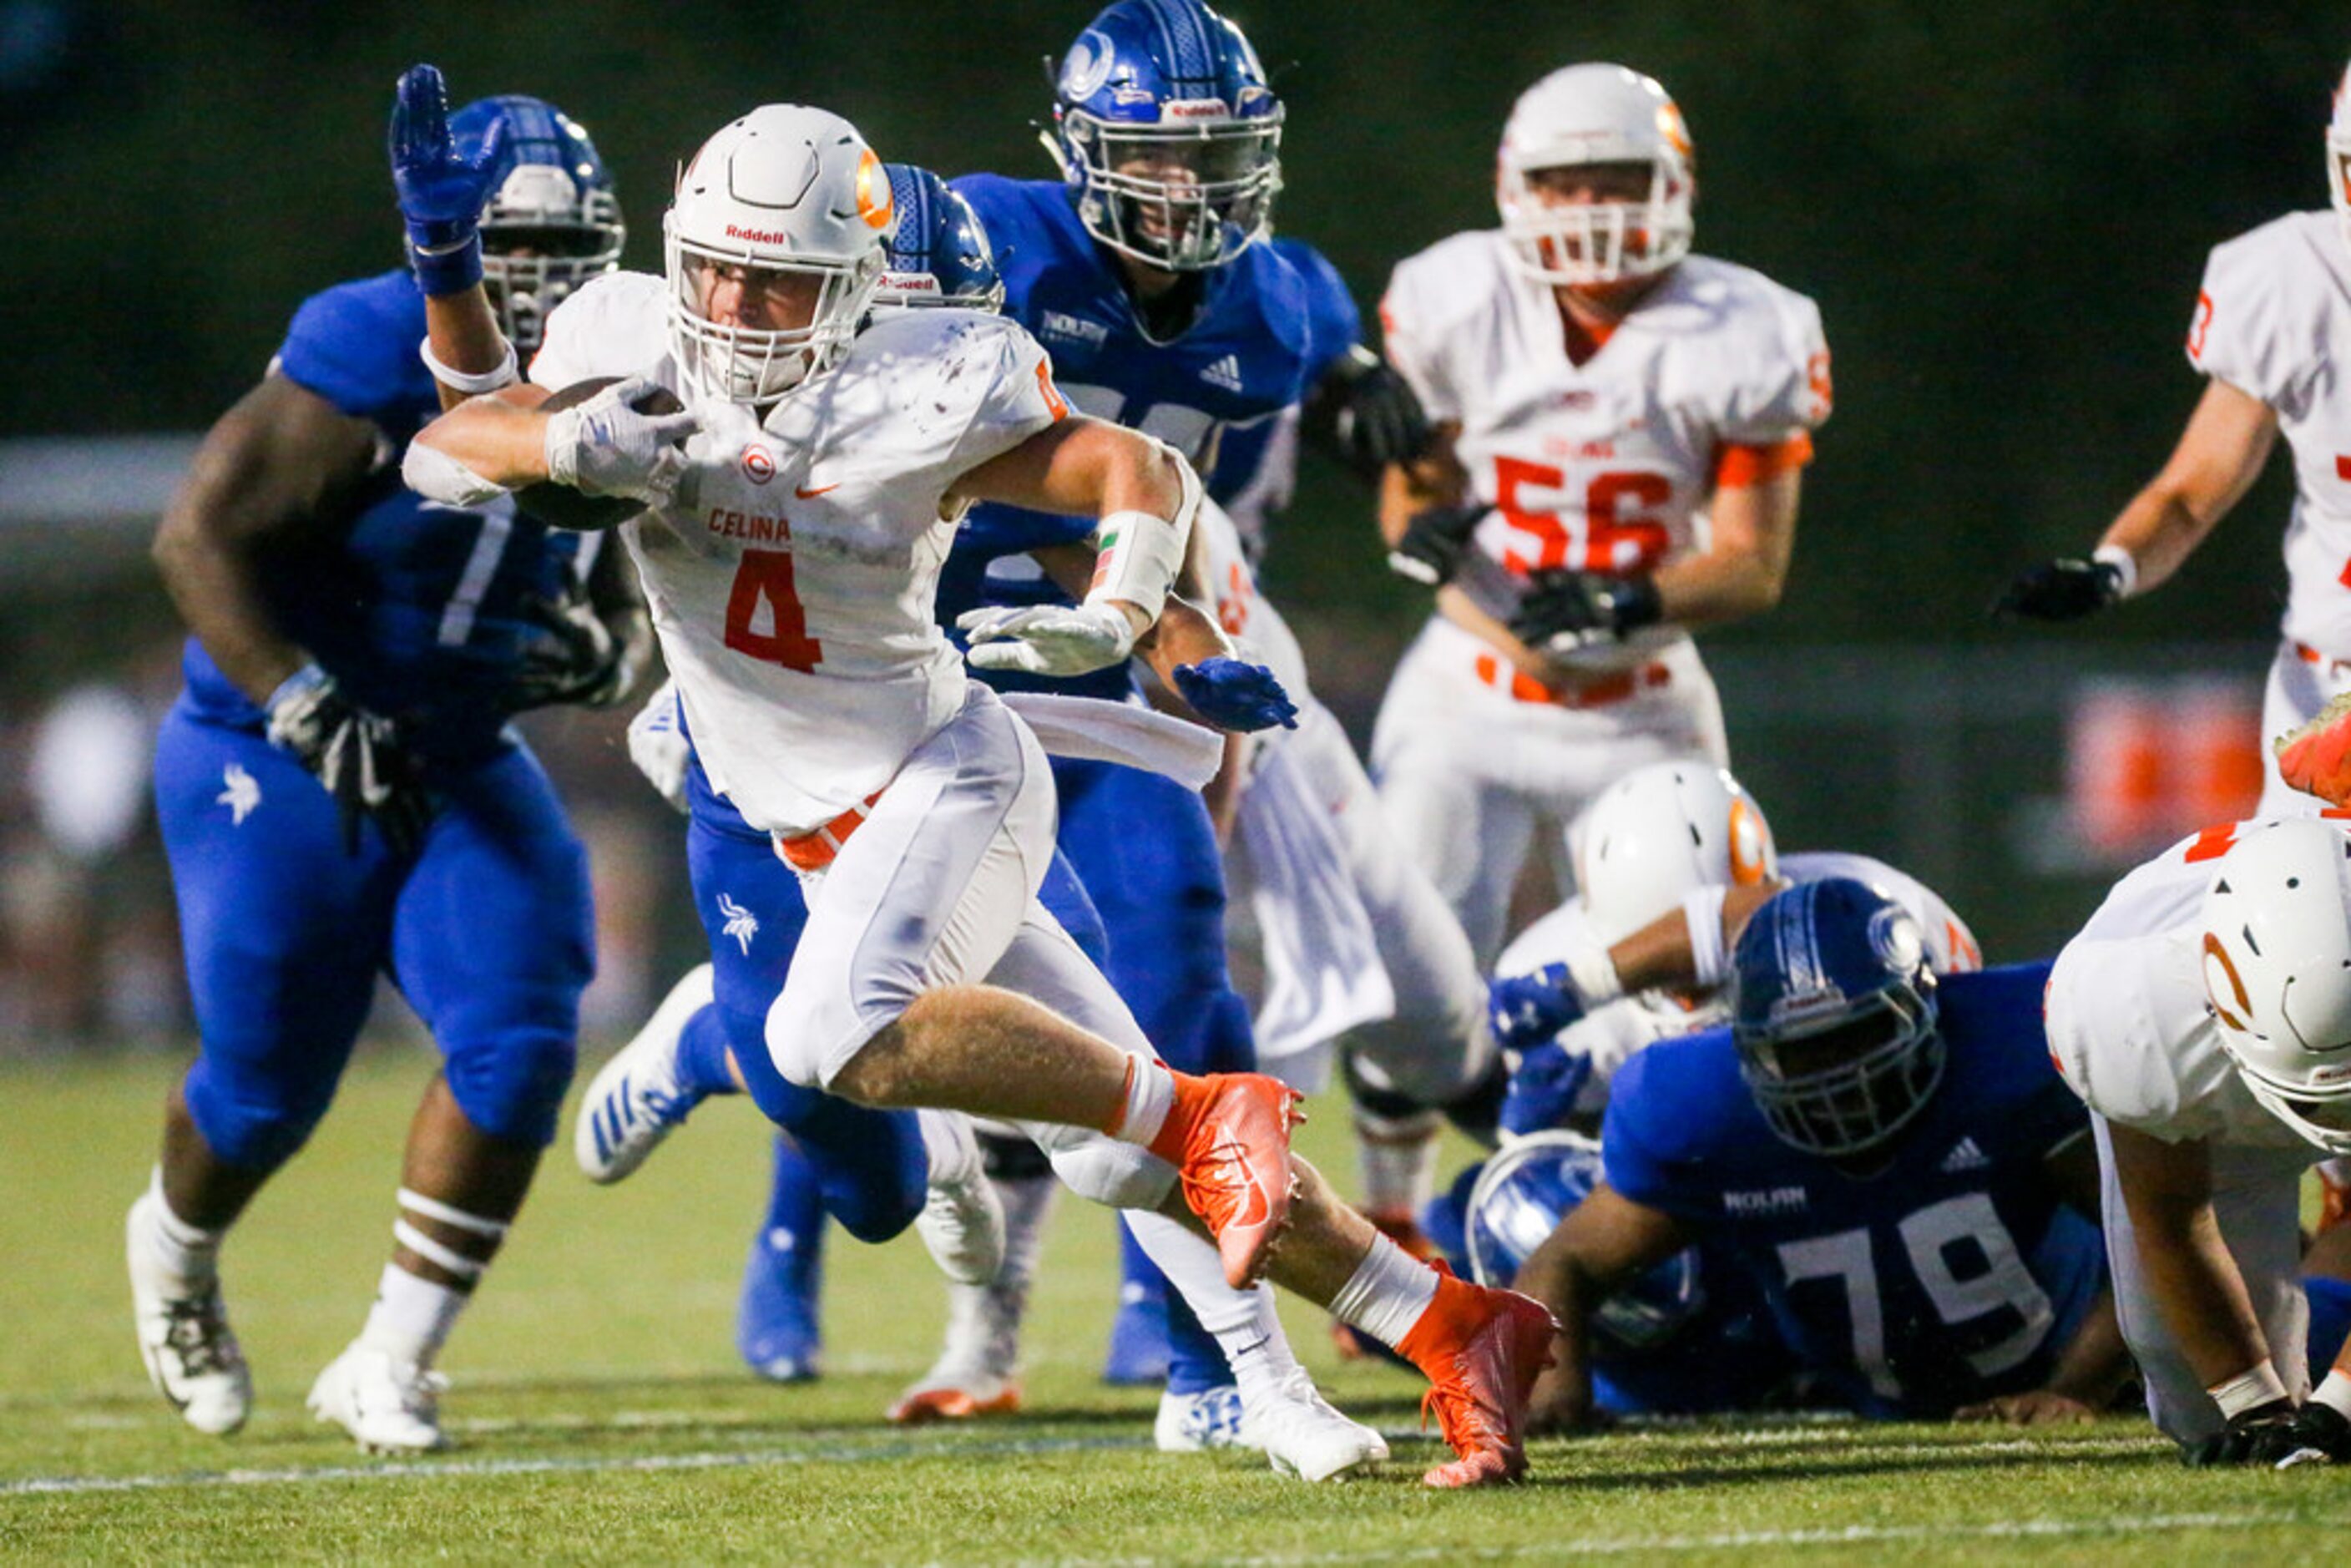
column 1333, row 325
column 355, row 346
column 612, row 325
column 1015, row 396
column 1779, row 391
column 2236, row 333
column 1634, row 1150
column 2117, row 1007
column 1408, row 337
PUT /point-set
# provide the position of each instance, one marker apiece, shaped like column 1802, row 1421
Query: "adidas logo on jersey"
column 1226, row 373
column 1965, row 1156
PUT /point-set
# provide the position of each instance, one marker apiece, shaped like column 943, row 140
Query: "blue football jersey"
column 415, row 608
column 1333, row 326
column 1245, row 357
column 1948, row 1275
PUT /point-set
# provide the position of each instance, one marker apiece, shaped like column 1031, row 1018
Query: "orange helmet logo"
column 2216, row 954
column 873, row 196
column 1750, row 844
column 1670, row 127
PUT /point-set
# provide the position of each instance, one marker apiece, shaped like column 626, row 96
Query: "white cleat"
column 387, row 1406
column 973, row 1374
column 1194, row 1423
column 1304, row 1437
column 183, row 1336
column 963, row 1220
column 634, row 1102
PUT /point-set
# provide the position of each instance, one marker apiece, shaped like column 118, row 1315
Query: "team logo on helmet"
column 1087, row 66
column 875, row 202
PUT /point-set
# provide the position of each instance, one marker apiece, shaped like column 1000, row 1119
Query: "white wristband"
column 2120, row 560
column 2248, row 1391
column 1702, row 913
column 506, row 375
column 1140, row 555
column 2335, row 1393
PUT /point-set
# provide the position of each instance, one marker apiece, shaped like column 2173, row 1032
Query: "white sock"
column 1398, row 1164
column 1244, row 1322
column 412, row 1317
column 1386, row 1294
column 1150, row 1095
column 1027, row 1203
column 188, row 1251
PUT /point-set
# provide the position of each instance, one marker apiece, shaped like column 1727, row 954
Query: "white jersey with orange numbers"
column 1716, row 378
column 2129, row 1025
column 792, row 578
column 2273, row 320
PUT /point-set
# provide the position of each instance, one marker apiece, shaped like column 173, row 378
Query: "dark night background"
column 2001, row 207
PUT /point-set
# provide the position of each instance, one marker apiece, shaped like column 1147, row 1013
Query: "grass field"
column 603, row 1416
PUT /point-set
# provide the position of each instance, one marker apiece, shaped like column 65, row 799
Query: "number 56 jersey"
column 792, row 578
column 1716, row 378
column 1947, row 1273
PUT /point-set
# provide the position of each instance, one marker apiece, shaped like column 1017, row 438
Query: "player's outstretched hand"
column 356, row 756
column 442, row 192
column 1379, row 420
column 1435, row 539
column 1527, row 1010
column 2064, row 589
column 1565, row 611
column 1235, row 694
column 1558, row 1409
column 1543, row 1089
column 1049, row 638
column 609, row 446
column 2263, row 1434
column 2034, row 1408
column 658, row 746
column 576, row 655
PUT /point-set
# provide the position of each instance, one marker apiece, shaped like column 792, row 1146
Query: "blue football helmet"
column 1521, row 1196
column 1834, row 1017
column 552, row 221
column 939, row 255
column 1164, row 123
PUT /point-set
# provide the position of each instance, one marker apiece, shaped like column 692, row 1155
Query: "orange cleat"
column 1228, row 1136
column 920, row 1406
column 1482, row 1350
column 2316, row 759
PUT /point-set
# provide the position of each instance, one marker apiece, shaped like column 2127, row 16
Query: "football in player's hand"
column 560, row 506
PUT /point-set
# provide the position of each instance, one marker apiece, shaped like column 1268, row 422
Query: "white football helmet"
column 785, row 189
column 1595, row 114
column 1660, row 834
column 2277, row 972
column 2338, row 153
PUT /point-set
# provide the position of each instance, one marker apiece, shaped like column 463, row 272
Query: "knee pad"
column 1415, row 1061
column 511, row 1085
column 253, row 1121
column 1368, row 1087
column 1105, row 1171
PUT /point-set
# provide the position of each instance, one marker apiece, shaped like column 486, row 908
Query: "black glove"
column 1565, row 611
column 356, row 756
column 2260, row 1436
column 2320, row 1429
column 576, row 655
column 2064, row 589
column 1374, row 417
column 1434, row 539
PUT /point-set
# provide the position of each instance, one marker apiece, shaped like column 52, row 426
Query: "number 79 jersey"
column 1951, row 1274
column 792, row 576
column 1716, row 378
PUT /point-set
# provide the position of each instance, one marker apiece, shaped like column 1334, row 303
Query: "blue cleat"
column 778, row 1326
column 1138, row 1336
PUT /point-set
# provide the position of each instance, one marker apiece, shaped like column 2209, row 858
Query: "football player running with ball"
column 796, row 515
column 341, row 798
column 1625, row 426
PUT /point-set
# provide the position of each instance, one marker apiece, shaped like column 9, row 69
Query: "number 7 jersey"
column 1606, row 466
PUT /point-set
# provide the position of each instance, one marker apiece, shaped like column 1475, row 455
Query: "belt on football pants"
column 1596, row 692
column 815, row 850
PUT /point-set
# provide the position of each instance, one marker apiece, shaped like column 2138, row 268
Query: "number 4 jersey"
column 792, row 578
column 1946, row 1274
column 1715, row 379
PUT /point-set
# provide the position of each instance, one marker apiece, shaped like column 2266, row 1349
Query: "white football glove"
column 605, row 447
column 1049, row 638
column 657, row 744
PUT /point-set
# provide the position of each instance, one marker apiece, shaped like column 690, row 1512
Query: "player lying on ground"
column 341, row 798
column 826, row 704
column 1891, row 1158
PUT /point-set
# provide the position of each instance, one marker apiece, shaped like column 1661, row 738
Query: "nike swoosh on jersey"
column 810, row 494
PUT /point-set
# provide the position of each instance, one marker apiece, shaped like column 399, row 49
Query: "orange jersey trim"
column 1737, row 464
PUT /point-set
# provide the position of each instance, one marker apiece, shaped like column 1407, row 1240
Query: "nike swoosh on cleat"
column 1254, row 1210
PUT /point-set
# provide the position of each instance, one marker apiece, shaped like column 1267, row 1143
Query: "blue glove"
column 1234, row 696
column 442, row 193
column 1527, row 1010
column 1543, row 1090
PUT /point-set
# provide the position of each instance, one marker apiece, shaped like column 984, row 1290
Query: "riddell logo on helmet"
column 758, row 236
column 1195, row 108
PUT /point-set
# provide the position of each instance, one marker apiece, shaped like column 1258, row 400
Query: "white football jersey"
column 792, row 578
column 2129, row 1025
column 2273, row 320
column 1606, row 466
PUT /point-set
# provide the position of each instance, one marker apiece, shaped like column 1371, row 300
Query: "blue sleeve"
column 355, row 345
column 1637, row 1146
column 1333, row 325
column 1994, row 1017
